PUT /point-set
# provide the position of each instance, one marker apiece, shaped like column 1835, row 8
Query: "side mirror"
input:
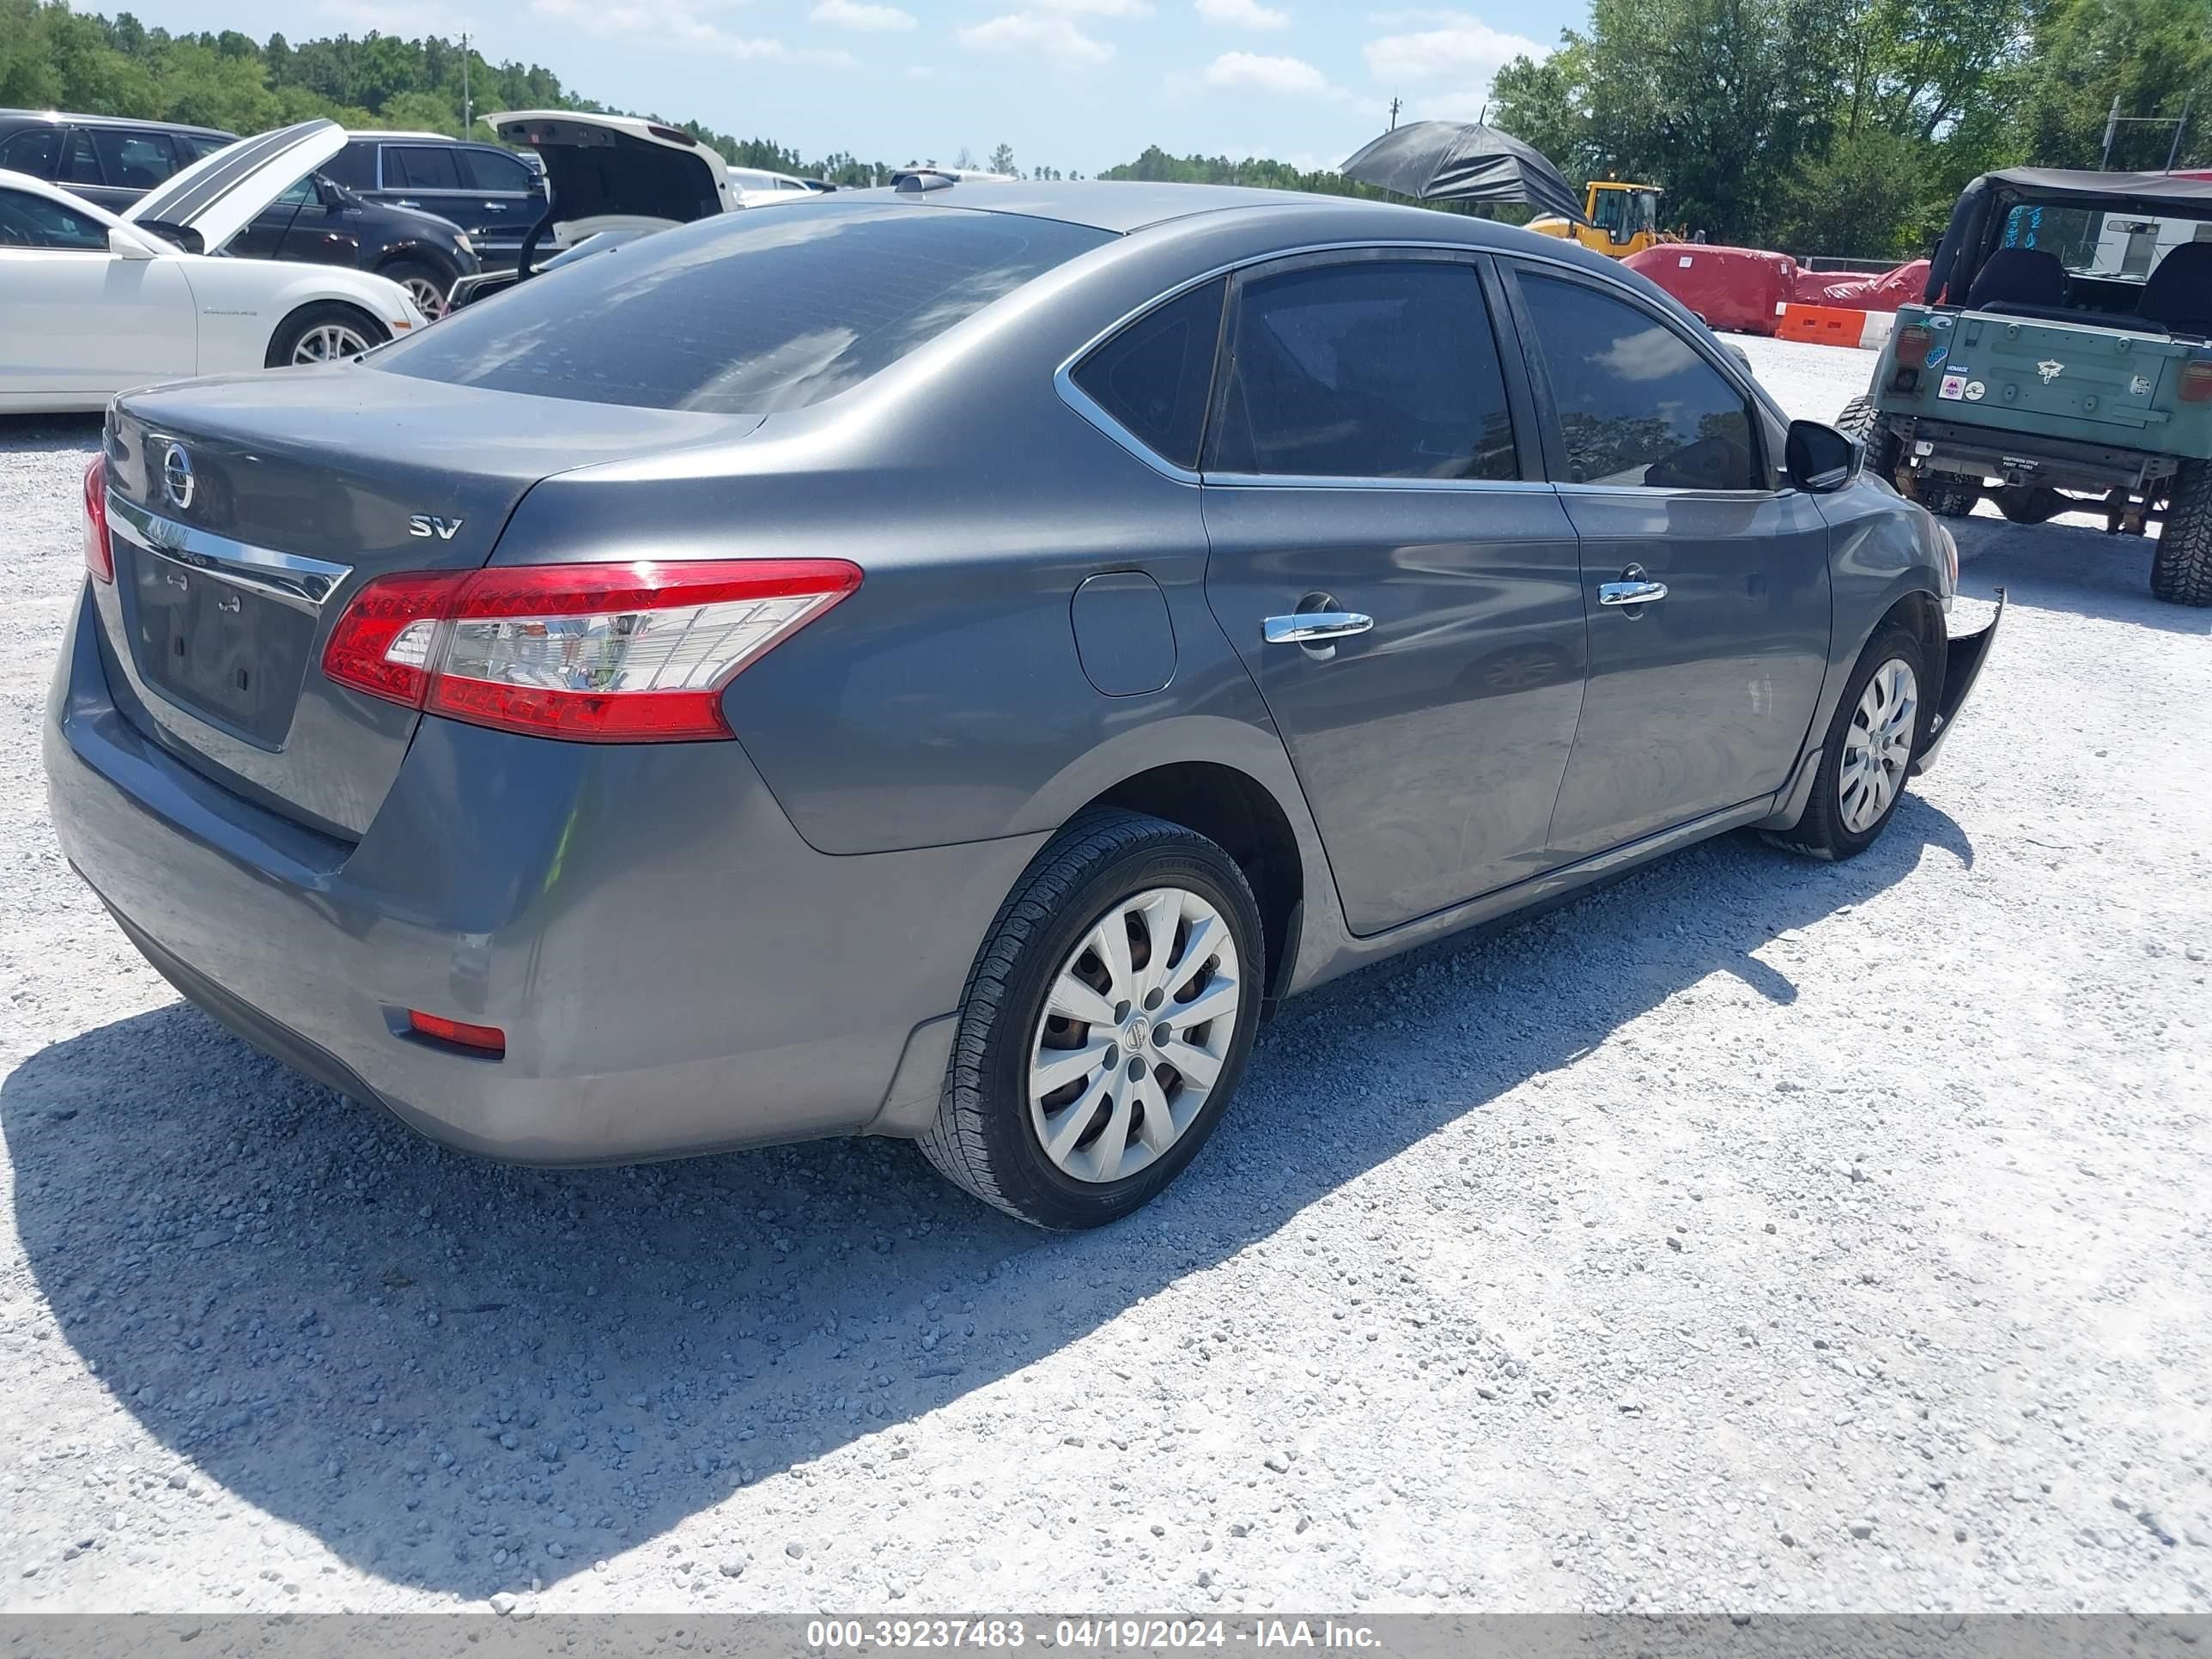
column 182, row 235
column 1820, row 459
column 122, row 244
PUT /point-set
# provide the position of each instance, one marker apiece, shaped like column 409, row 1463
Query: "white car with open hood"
column 91, row 304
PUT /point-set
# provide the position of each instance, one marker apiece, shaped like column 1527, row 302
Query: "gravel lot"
column 1757, row 1233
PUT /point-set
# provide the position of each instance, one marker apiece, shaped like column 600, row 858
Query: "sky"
column 1075, row 84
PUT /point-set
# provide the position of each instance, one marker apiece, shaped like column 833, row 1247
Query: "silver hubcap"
column 327, row 343
column 1878, row 747
column 429, row 298
column 1134, row 1033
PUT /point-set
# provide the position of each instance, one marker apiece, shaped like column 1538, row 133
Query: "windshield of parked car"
column 2123, row 247
column 746, row 313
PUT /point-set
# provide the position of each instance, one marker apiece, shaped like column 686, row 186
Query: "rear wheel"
column 1947, row 497
column 1879, row 727
column 1861, row 420
column 1105, row 1025
column 326, row 332
column 2181, row 559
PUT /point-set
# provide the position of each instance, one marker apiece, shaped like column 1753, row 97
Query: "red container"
column 1742, row 288
column 1902, row 285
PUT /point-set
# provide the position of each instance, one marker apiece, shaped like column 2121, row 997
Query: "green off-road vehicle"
column 2062, row 361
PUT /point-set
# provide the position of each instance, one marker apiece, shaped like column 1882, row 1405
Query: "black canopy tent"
column 1983, row 204
column 1463, row 161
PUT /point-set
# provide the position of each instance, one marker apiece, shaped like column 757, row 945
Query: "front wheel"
column 1105, row 1024
column 424, row 285
column 327, row 332
column 1879, row 727
column 2181, row 562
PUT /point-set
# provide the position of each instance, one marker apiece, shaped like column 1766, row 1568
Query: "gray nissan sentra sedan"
column 944, row 664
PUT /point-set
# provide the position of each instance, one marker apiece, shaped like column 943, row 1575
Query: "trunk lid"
column 220, row 194
column 2061, row 379
column 619, row 169
column 247, row 512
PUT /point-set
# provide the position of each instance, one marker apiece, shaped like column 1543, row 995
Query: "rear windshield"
column 748, row 312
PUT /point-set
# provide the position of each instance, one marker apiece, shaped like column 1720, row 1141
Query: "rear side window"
column 1637, row 406
column 79, row 165
column 746, row 312
column 34, row 150
column 420, row 166
column 133, row 160
column 1156, row 376
column 1379, row 369
column 487, row 169
column 354, row 167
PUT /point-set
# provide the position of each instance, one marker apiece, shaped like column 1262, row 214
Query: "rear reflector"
column 2196, row 381
column 1912, row 343
column 99, row 552
column 485, row 1039
column 591, row 653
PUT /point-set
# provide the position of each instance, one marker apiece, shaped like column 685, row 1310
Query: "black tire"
column 2181, row 559
column 1859, row 419
column 422, row 280
column 1821, row 833
column 1947, row 497
column 284, row 344
column 984, row 1139
column 2029, row 504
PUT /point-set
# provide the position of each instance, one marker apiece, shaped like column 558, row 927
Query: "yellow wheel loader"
column 1624, row 219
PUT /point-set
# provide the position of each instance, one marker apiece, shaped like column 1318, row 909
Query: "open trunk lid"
column 606, row 172
column 244, row 515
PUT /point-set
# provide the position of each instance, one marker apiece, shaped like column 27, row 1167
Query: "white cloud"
column 671, row 22
column 857, row 14
column 1241, row 14
column 1098, row 8
column 1459, row 45
column 1246, row 68
column 1038, row 31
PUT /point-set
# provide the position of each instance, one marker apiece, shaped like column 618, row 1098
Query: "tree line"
column 1820, row 126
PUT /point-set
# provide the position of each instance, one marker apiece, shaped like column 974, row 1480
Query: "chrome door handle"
column 493, row 207
column 1306, row 626
column 1635, row 592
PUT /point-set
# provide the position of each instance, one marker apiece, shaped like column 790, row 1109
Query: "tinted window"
column 420, row 166
column 1636, row 405
column 201, row 145
column 1155, row 376
column 34, row 150
column 743, row 312
column 1373, row 370
column 28, row 221
column 487, row 169
column 354, row 167
column 79, row 165
column 133, row 160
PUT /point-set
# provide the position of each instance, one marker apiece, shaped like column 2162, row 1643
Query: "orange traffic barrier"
column 1823, row 324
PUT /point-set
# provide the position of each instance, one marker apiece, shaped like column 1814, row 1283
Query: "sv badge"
column 427, row 525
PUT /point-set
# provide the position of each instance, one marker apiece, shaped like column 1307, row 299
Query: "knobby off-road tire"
column 990, row 1134
column 2181, row 558
column 1842, row 819
column 1860, row 420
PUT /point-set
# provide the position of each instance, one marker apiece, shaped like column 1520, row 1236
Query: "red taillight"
column 592, row 653
column 99, row 556
column 1912, row 343
column 485, row 1039
column 2196, row 381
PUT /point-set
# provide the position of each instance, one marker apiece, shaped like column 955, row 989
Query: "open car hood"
column 219, row 195
column 617, row 168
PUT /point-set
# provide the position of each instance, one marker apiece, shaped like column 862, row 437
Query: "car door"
column 132, row 160
column 307, row 222
column 84, row 320
column 428, row 177
column 1393, row 570
column 506, row 202
column 1704, row 580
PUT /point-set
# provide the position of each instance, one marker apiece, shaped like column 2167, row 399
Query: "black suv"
column 109, row 161
column 489, row 191
column 112, row 162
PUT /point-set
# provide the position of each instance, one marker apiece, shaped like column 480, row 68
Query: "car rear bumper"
column 675, row 970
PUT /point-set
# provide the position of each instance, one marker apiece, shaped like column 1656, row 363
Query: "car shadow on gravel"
column 459, row 1376
column 2069, row 564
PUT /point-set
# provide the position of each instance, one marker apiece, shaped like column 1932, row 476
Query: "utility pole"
column 1393, row 115
column 468, row 109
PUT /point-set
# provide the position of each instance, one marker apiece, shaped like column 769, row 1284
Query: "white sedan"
column 91, row 304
